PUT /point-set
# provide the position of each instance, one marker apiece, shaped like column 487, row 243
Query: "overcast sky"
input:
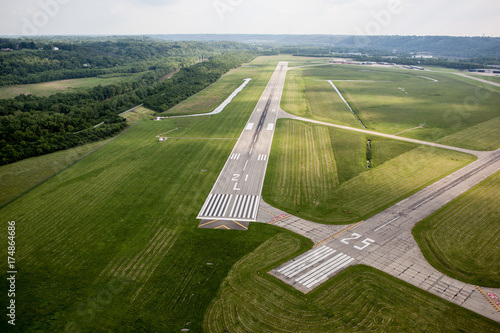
column 368, row 17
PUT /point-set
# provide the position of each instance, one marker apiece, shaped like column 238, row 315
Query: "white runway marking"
column 235, row 156
column 321, row 272
column 249, row 126
column 270, row 127
column 394, row 219
column 309, row 277
column 245, row 207
column 262, row 157
column 307, row 261
column 216, row 205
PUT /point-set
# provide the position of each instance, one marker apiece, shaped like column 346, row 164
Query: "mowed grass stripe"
column 323, row 197
column 358, row 299
column 306, row 152
column 461, row 239
column 130, row 210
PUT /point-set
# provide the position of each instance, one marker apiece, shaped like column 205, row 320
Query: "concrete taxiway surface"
column 385, row 242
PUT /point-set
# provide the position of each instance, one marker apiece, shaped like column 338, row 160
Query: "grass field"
column 461, row 239
column 128, row 210
column 20, row 176
column 319, row 181
column 50, row 88
column 111, row 243
column 208, row 99
column 495, row 78
column 395, row 100
column 359, row 299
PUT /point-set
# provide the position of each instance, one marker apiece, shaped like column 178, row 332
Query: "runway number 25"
column 367, row 241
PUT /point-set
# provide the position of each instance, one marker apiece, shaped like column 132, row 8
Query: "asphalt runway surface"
column 236, row 194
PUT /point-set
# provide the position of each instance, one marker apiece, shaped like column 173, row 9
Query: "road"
column 236, row 195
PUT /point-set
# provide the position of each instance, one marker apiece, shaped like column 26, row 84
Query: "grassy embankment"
column 461, row 239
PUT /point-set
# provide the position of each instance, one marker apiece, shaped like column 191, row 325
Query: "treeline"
column 42, row 59
column 32, row 125
column 191, row 80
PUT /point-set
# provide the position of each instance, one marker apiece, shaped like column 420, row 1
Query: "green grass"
column 484, row 136
column 487, row 78
column 129, row 210
column 20, row 176
column 50, row 88
column 319, row 182
column 111, row 243
column 461, row 239
column 399, row 100
column 359, row 299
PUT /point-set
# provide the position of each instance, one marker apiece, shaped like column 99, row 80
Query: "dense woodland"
column 32, row 125
column 438, row 46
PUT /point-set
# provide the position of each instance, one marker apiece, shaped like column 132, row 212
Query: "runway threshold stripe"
column 323, row 256
column 215, row 204
column 325, row 269
column 305, row 263
column 307, row 256
column 305, row 260
column 208, row 209
column 312, row 272
column 332, row 270
column 223, row 205
column 235, row 204
column 205, row 205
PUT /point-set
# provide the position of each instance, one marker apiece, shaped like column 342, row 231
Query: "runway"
column 236, row 194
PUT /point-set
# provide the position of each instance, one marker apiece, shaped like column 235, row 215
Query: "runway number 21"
column 367, row 242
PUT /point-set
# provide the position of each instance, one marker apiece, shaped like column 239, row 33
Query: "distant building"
column 6, row 50
column 55, row 48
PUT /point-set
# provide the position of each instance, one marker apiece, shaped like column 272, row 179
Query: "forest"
column 32, row 125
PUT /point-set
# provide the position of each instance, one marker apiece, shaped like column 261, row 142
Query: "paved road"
column 237, row 192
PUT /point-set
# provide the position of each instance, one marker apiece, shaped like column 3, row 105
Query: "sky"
column 344, row 17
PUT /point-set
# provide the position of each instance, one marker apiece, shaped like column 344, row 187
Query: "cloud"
column 251, row 16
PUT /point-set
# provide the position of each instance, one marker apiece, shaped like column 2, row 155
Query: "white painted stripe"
column 249, row 211
column 216, row 207
column 313, row 272
column 249, row 126
column 246, row 164
column 244, row 207
column 227, row 205
column 305, row 257
column 255, row 207
column 310, row 256
column 223, row 207
column 234, row 205
column 205, row 204
column 394, row 219
column 270, row 127
column 304, row 266
column 335, row 268
column 212, row 203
